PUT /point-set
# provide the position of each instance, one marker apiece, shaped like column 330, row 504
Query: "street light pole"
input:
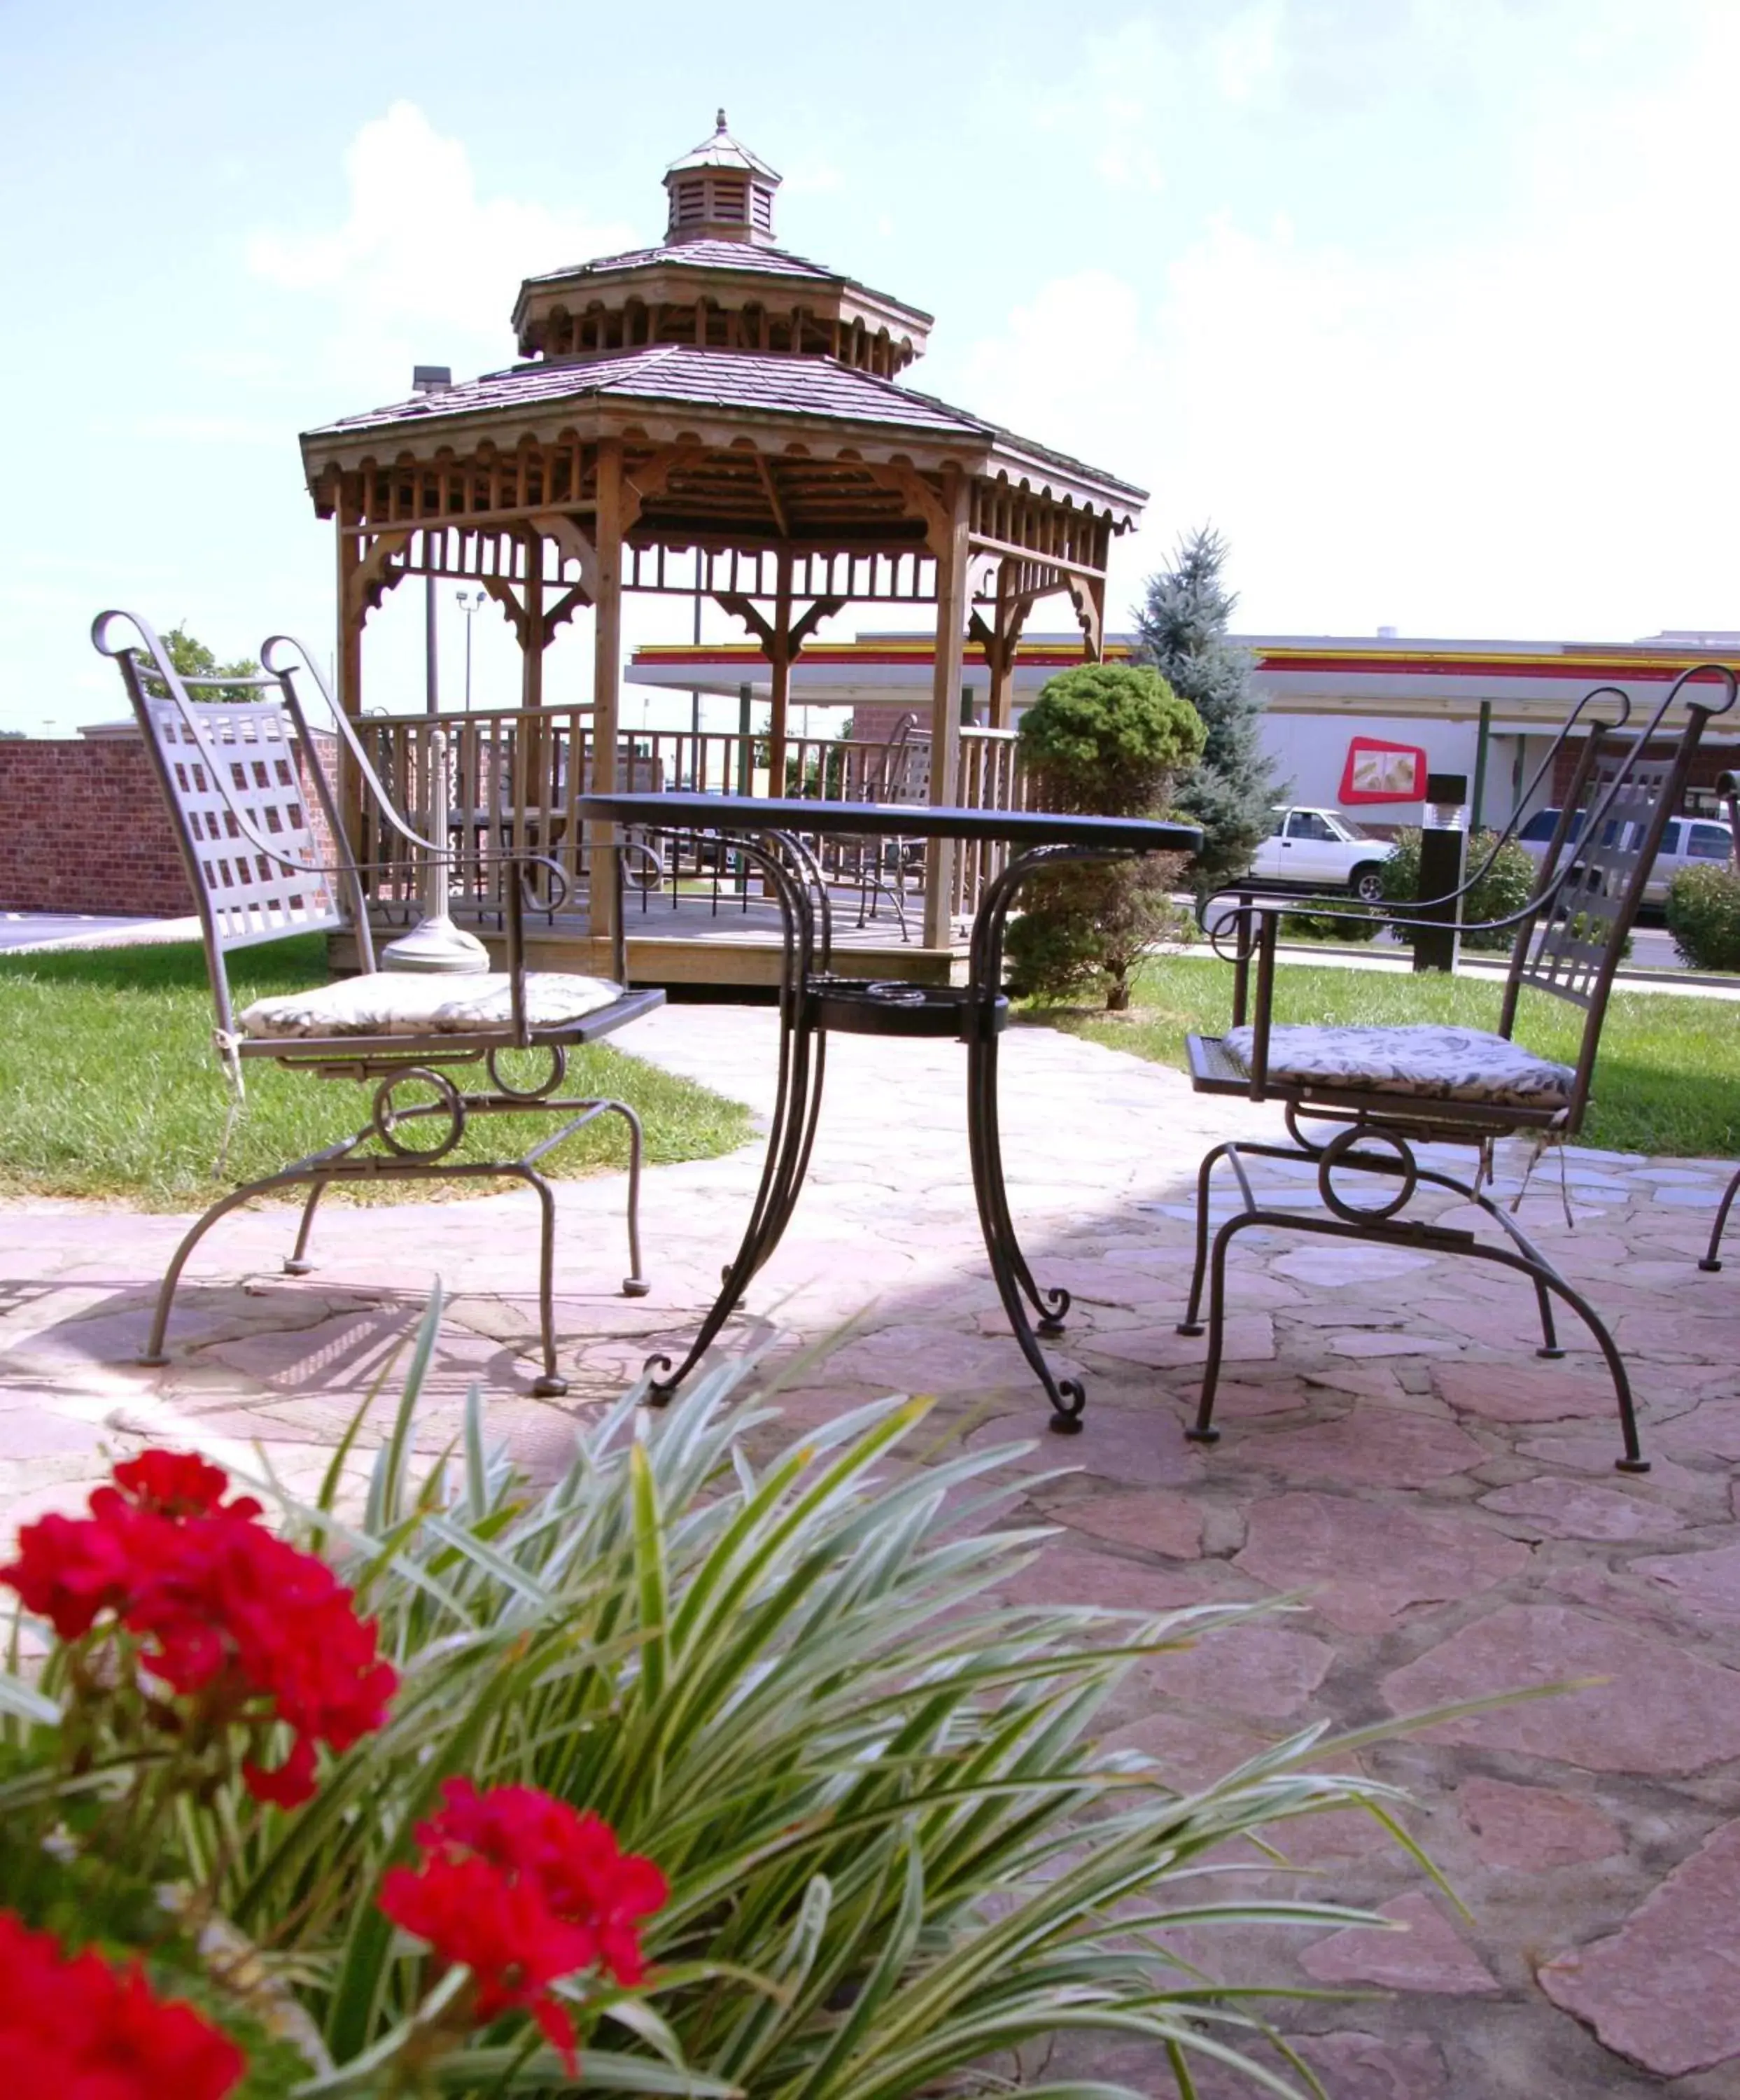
column 469, row 602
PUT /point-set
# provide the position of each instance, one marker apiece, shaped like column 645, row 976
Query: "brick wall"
column 83, row 828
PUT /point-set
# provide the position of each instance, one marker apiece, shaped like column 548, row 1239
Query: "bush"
column 1335, row 922
column 1504, row 888
column 1703, row 917
column 1106, row 741
column 890, row 1848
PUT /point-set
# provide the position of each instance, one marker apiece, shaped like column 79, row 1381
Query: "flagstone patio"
column 1442, row 1503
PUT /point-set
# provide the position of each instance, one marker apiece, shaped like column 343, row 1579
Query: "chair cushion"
column 411, row 1002
column 1430, row 1062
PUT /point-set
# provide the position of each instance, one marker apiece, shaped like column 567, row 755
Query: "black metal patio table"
column 772, row 834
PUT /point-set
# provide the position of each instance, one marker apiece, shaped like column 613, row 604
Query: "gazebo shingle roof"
column 703, row 255
column 683, row 373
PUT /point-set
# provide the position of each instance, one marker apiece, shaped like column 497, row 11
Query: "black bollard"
column 1443, row 858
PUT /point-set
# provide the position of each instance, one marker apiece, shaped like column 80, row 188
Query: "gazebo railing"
column 514, row 776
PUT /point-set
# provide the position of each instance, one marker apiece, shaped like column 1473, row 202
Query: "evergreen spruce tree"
column 1182, row 625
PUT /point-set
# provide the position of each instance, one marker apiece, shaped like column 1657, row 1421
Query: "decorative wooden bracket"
column 984, row 573
column 745, row 610
column 375, row 576
column 921, row 499
column 575, row 546
column 764, row 630
column 821, row 609
column 1088, row 598
column 564, row 609
column 507, row 598
column 999, row 636
column 653, row 477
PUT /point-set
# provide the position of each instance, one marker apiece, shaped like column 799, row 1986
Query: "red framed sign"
column 1380, row 772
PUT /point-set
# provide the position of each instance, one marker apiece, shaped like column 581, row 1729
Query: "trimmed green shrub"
column 1108, row 740
column 1703, row 917
column 1504, row 888
column 1335, row 922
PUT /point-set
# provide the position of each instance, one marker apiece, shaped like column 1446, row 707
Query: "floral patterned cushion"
column 1430, row 1062
column 395, row 1003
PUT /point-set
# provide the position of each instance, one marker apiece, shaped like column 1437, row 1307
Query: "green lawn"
column 1667, row 1080
column 109, row 1085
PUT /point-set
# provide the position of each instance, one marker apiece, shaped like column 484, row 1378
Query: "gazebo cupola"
column 718, row 282
column 720, row 192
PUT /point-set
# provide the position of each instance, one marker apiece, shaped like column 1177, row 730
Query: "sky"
column 1427, row 306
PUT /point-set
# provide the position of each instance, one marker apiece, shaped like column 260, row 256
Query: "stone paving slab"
column 1440, row 1504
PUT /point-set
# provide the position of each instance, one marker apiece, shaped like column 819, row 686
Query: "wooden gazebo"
column 715, row 416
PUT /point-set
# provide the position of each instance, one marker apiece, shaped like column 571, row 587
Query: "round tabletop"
column 910, row 820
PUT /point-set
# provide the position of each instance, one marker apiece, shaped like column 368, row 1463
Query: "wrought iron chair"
column 1385, row 1091
column 901, row 773
column 230, row 778
column 1727, row 787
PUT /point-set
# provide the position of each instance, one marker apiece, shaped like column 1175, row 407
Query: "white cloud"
column 1138, row 85
column 1538, row 435
column 422, row 269
column 1244, row 57
column 211, row 429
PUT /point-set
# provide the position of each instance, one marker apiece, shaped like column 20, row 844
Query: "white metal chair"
column 233, row 778
column 1383, row 1090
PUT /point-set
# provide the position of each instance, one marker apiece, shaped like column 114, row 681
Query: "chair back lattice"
column 252, row 895
column 1595, row 904
column 905, row 766
column 1626, row 790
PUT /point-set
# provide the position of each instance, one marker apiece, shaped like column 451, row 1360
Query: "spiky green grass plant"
column 898, row 1859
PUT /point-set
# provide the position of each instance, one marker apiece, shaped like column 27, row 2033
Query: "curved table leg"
column 1008, row 1266
column 797, row 1106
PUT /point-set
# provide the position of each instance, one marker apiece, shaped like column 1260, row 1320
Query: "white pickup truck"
column 1321, row 850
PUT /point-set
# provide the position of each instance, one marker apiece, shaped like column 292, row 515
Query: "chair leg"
column 550, row 1384
column 153, row 1356
column 1549, row 1340
column 298, row 1264
column 1190, row 1324
column 1520, row 1255
column 1202, row 1431
column 1709, row 1261
column 634, row 1285
column 1546, row 1279
column 1550, row 1346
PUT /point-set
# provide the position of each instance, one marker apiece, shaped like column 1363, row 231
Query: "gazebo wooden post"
column 528, row 755
column 351, row 613
column 607, row 659
column 779, row 656
column 949, row 547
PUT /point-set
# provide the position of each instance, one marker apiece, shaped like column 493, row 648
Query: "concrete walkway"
column 1444, row 1502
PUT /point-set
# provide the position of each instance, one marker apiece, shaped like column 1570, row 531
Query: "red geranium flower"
column 522, row 1890
column 73, row 2028
column 178, row 1483
column 228, row 1612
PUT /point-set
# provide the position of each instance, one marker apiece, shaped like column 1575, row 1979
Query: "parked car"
column 1321, row 849
column 1687, row 842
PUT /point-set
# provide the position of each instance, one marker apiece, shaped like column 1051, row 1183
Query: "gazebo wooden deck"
column 716, row 417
